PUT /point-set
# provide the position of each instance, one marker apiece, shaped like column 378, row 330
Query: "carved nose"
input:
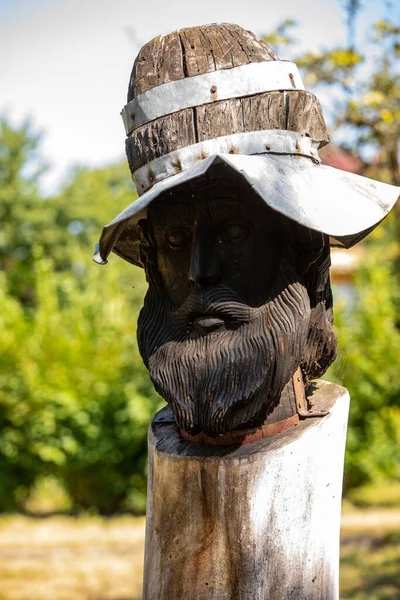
column 204, row 264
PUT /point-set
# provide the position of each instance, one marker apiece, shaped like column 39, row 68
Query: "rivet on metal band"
column 245, row 80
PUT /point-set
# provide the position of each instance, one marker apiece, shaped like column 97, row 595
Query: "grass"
column 66, row 558
column 385, row 494
column 370, row 555
column 91, row 558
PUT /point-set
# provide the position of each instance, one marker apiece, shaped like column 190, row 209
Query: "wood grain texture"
column 194, row 51
column 295, row 110
column 197, row 50
column 264, row 111
column 159, row 61
column 222, row 118
column 233, row 46
column 249, row 522
column 304, row 114
column 160, row 137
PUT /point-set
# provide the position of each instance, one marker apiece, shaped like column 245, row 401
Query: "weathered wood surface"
column 193, row 51
column 295, row 110
column 199, row 50
column 253, row 522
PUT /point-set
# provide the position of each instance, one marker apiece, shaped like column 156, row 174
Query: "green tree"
column 64, row 227
column 20, row 169
column 75, row 398
column 365, row 83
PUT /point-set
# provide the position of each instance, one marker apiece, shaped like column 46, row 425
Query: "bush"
column 75, row 399
column 369, row 335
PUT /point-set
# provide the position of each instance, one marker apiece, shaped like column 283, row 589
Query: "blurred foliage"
column 369, row 336
column 21, row 216
column 369, row 566
column 363, row 87
column 75, row 399
column 386, row 495
column 364, row 90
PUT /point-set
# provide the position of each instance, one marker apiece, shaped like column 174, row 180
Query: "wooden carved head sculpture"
column 233, row 227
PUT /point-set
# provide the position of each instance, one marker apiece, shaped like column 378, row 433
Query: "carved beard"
column 229, row 378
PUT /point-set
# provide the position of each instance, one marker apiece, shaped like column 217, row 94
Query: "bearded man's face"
column 225, row 321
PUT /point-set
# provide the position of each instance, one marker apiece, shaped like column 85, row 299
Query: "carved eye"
column 177, row 239
column 236, row 231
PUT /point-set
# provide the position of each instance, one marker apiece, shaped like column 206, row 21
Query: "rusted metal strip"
column 245, row 80
column 244, row 436
column 303, row 409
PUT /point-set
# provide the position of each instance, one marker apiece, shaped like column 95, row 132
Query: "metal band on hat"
column 246, row 80
column 269, row 141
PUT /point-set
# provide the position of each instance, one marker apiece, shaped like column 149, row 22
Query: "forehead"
column 221, row 200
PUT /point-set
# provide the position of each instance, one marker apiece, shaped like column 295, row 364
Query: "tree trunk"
column 247, row 522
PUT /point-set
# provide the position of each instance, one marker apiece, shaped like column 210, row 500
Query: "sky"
column 65, row 64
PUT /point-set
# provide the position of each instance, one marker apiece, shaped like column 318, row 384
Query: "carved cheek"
column 174, row 269
column 237, row 260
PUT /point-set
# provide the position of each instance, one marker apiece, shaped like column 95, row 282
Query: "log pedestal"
column 252, row 522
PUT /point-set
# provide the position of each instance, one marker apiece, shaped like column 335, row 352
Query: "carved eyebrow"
column 224, row 207
column 182, row 211
column 179, row 205
column 174, row 214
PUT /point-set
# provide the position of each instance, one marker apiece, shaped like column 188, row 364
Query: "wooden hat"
column 216, row 93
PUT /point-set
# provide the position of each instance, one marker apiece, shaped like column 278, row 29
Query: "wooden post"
column 251, row 522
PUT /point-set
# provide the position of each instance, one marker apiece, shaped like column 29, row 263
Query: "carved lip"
column 205, row 323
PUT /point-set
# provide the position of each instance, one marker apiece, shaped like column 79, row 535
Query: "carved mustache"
column 220, row 302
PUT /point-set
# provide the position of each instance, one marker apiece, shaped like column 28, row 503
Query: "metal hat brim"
column 342, row 205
